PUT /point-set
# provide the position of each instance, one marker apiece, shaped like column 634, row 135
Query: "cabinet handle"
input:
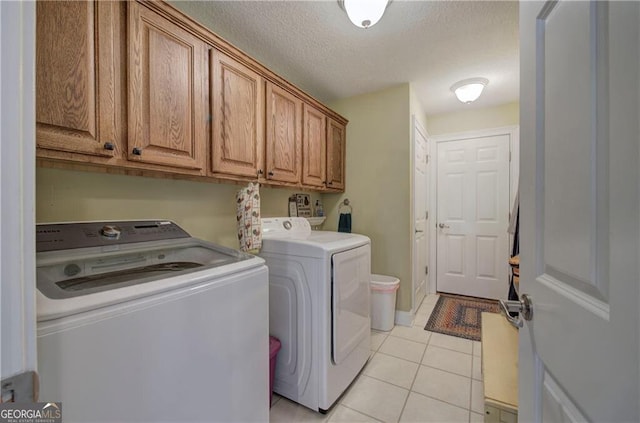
column 270, row 173
column 137, row 151
column 329, row 183
column 109, row 146
column 260, row 172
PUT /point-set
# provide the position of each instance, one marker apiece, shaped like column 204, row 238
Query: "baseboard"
column 404, row 318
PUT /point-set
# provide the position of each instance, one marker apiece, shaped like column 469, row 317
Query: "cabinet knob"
column 260, row 172
column 329, row 183
column 270, row 173
column 109, row 146
column 137, row 151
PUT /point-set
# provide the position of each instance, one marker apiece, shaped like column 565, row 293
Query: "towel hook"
column 345, row 206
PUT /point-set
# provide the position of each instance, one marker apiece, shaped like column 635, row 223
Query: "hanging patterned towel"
column 248, row 216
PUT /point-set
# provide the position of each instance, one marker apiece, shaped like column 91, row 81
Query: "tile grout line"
column 449, row 349
column 452, row 348
column 360, row 412
column 442, row 401
column 447, row 371
column 439, row 399
column 471, row 391
column 414, row 380
column 387, row 382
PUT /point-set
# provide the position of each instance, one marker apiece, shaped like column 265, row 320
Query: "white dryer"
column 318, row 308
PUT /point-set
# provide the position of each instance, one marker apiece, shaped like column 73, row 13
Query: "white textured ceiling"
column 430, row 44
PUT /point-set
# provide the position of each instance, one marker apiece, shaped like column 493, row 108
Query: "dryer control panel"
column 285, row 227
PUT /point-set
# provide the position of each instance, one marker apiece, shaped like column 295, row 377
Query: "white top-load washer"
column 318, row 308
column 139, row 322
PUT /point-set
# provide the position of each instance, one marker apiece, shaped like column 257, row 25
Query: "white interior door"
column 473, row 216
column 420, row 204
column 579, row 355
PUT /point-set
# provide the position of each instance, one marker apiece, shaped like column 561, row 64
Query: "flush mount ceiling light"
column 364, row 13
column 469, row 90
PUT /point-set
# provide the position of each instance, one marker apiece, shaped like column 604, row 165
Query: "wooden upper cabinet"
column 139, row 86
column 77, row 82
column 167, row 87
column 238, row 118
column 336, row 137
column 314, row 146
column 283, row 145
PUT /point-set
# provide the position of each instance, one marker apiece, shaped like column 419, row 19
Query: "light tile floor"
column 412, row 376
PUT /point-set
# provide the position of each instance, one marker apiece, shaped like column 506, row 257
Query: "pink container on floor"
column 274, row 347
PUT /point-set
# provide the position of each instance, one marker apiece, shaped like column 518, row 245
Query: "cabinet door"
column 167, row 77
column 314, row 147
column 238, row 118
column 284, row 135
column 77, row 85
column 336, row 133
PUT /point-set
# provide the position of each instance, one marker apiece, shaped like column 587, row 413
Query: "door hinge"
column 509, row 155
column 426, row 270
column 426, row 160
column 20, row 388
column 426, row 215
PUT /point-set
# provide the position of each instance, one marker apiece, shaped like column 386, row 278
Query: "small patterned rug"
column 460, row 316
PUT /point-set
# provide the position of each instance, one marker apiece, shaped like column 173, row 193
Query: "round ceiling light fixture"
column 364, row 13
column 469, row 90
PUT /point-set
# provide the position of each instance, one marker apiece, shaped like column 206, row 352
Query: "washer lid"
column 73, row 273
column 118, row 269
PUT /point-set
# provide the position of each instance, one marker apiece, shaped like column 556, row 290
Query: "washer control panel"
column 66, row 236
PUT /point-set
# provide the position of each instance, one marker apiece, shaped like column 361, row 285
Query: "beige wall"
column 377, row 163
column 474, row 119
column 205, row 210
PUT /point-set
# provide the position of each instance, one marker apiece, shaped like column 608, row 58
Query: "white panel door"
column 421, row 227
column 579, row 254
column 473, row 216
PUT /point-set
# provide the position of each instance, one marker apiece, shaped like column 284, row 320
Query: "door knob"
column 524, row 307
column 443, row 226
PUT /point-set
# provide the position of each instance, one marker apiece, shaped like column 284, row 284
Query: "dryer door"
column 351, row 274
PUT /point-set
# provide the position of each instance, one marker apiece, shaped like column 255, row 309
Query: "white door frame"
column 513, row 132
column 17, row 189
column 417, row 126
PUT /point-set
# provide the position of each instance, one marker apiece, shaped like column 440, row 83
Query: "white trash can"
column 383, row 301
